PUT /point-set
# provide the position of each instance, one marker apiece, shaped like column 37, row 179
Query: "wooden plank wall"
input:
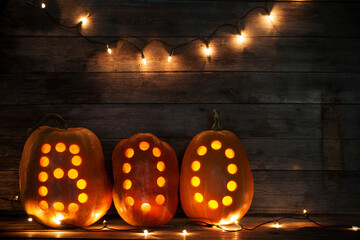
column 291, row 91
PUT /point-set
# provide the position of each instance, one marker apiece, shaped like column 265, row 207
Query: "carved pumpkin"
column 146, row 180
column 62, row 176
column 216, row 183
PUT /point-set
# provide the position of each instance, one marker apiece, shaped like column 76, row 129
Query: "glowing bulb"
column 270, row 17
column 277, row 225
column 240, row 38
column 16, row 198
column 304, row 211
column 207, row 51
column 184, row 232
column 146, row 232
column 169, row 59
column 30, row 219
column 355, row 228
column 109, row 50
column 43, row 5
column 144, row 60
column 58, row 219
column 83, row 20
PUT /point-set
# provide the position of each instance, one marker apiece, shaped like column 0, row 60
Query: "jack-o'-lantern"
column 146, row 180
column 216, row 183
column 62, row 174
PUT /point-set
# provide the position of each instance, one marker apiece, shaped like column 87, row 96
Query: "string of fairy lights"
column 172, row 50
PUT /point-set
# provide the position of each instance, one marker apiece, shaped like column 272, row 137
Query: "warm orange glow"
column 44, row 205
column 201, row 150
column 232, row 168
column 207, row 51
column 83, row 197
column 240, row 38
column 216, row 145
column 83, row 20
column 160, row 166
column 198, row 197
column 160, row 199
column 44, row 161
column 46, row 148
column 81, row 184
column 76, row 160
column 213, row 204
column 59, row 206
column 195, row 181
column 58, row 173
column 229, row 153
column 60, row 147
column 43, row 191
column 127, row 184
column 74, row 149
column 231, row 186
column 72, row 173
column 195, row 166
column 227, row 200
column 144, row 145
column 161, row 181
column 73, row 207
column 126, row 168
column 43, row 177
column 145, row 207
column 129, row 153
column 130, row 201
column 156, row 152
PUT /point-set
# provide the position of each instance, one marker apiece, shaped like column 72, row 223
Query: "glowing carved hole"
column 127, row 184
column 195, row 166
column 59, row 206
column 156, row 152
column 145, row 207
column 72, row 173
column 201, row 150
column 58, row 173
column 198, row 197
column 161, row 181
column 213, row 204
column 232, row 168
column 44, row 205
column 45, row 148
column 160, row 166
column 160, row 199
column 195, row 181
column 229, row 153
column 43, row 177
column 227, row 200
column 44, row 161
column 74, row 149
column 43, row 191
column 216, row 145
column 129, row 153
column 144, row 145
column 231, row 186
column 83, row 197
column 76, row 160
column 126, row 168
column 60, row 147
column 129, row 201
column 81, row 184
column 73, row 207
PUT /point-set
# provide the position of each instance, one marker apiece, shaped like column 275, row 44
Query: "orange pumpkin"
column 146, row 180
column 62, row 176
column 216, row 183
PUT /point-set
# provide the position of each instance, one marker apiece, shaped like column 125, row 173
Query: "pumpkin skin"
column 146, row 200
column 62, row 203
column 212, row 190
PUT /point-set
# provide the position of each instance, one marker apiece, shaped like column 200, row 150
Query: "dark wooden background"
column 291, row 92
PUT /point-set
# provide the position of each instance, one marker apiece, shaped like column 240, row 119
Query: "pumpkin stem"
column 50, row 116
column 217, row 121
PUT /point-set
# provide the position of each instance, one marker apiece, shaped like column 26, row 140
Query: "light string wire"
column 171, row 49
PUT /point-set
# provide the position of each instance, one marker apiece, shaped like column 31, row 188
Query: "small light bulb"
column 240, row 38
column 169, row 59
column 16, row 198
column 184, row 232
column 355, row 228
column 83, row 20
column 207, row 51
column 58, row 219
column 144, row 60
column 146, row 232
column 43, row 5
column 304, row 211
column 277, row 225
column 109, row 50
column 270, row 18
column 104, row 223
column 30, row 219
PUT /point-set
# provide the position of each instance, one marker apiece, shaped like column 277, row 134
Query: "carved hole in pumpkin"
column 213, row 204
column 126, row 168
column 198, row 197
column 129, row 201
column 161, row 181
column 195, row 166
column 46, row 148
column 59, row 206
column 127, row 184
column 81, row 184
column 231, row 186
column 216, row 144
column 83, row 197
column 201, row 151
column 74, row 149
column 232, row 168
column 145, row 207
column 156, row 152
column 73, row 207
column 43, row 177
column 227, row 200
column 58, row 173
column 44, row 161
column 160, row 166
column 44, row 205
column 72, row 173
column 60, row 147
column 160, row 199
column 43, row 191
column 76, row 160
column 129, row 153
column 144, row 145
column 195, row 181
column 229, row 153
